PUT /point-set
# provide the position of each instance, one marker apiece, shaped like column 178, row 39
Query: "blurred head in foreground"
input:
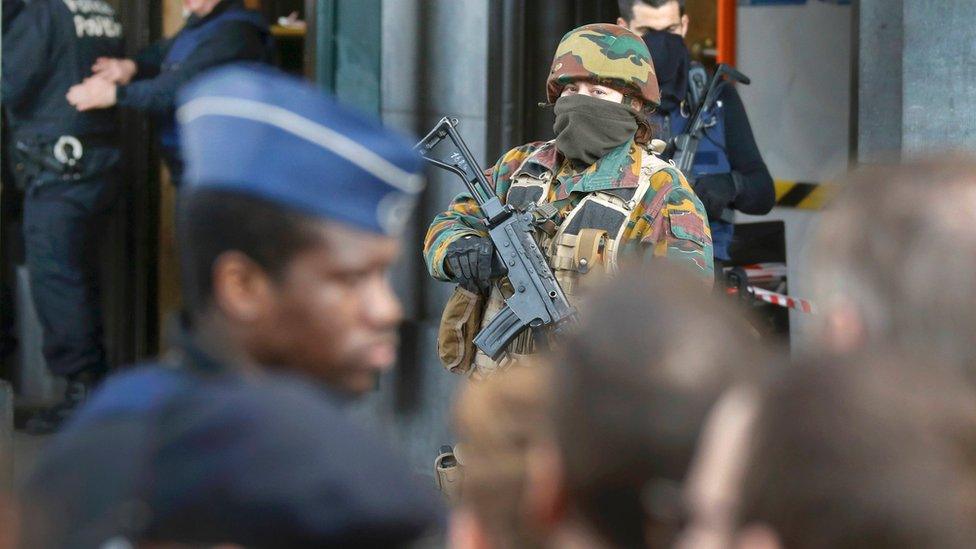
column 289, row 224
column 499, row 422
column 870, row 452
column 894, row 258
column 633, row 386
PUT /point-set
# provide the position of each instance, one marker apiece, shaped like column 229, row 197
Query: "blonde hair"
column 497, row 422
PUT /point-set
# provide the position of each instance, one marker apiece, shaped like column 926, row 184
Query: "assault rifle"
column 683, row 147
column 536, row 300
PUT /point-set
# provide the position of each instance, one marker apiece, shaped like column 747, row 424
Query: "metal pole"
column 726, row 31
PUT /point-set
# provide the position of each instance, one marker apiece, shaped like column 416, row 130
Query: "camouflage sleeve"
column 679, row 230
column 461, row 218
column 464, row 216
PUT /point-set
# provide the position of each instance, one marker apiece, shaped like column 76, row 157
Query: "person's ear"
column 757, row 536
column 242, row 290
column 843, row 329
column 465, row 531
column 684, row 25
column 545, row 489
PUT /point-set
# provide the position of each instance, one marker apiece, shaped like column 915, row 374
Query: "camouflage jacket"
column 668, row 222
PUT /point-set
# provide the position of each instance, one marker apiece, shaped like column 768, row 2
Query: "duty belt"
column 64, row 158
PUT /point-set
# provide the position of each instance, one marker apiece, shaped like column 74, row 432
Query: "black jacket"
column 154, row 91
column 757, row 196
column 47, row 48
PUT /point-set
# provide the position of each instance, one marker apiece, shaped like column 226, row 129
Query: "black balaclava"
column 588, row 128
column 671, row 63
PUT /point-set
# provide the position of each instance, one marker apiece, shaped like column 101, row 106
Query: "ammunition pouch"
column 449, row 473
column 459, row 325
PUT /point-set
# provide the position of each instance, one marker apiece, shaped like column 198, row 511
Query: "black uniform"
column 194, row 450
column 756, row 192
column 228, row 34
column 48, row 46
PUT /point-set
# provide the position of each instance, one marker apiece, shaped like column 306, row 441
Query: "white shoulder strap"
column 650, row 165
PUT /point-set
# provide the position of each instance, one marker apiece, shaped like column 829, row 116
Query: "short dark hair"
column 869, row 451
column 211, row 222
column 636, row 381
column 627, row 6
column 905, row 268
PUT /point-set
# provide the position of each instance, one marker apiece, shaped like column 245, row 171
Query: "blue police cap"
column 255, row 130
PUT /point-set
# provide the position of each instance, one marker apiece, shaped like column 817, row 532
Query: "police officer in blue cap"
column 288, row 226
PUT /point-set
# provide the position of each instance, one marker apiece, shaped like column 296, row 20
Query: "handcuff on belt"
column 65, row 159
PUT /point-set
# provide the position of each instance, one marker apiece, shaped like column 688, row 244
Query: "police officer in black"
column 216, row 33
column 65, row 164
column 729, row 173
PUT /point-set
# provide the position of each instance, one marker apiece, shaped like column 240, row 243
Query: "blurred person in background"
column 633, row 387
column 217, row 32
column 609, row 197
column 238, row 435
column 902, row 275
column 729, row 173
column 499, row 423
column 65, row 165
column 871, row 451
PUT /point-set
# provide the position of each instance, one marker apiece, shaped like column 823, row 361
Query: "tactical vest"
column 711, row 158
column 183, row 46
column 584, row 248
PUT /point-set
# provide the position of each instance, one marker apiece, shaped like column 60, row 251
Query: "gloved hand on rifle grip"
column 472, row 262
column 716, row 192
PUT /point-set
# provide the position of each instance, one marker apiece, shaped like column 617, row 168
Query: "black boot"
column 50, row 421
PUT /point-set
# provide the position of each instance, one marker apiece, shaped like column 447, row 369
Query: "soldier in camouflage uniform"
column 616, row 200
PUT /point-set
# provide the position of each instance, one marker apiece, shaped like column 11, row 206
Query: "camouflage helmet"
column 605, row 54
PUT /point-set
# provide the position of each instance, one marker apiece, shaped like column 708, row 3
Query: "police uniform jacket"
column 49, row 46
column 192, row 450
column 154, row 90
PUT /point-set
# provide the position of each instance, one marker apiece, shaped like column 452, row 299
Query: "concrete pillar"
column 877, row 107
column 939, row 105
column 435, row 64
column 915, row 65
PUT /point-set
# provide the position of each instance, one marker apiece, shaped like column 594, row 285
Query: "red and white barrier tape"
column 802, row 305
column 763, row 272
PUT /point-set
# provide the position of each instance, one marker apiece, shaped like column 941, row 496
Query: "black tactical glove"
column 472, row 262
column 717, row 192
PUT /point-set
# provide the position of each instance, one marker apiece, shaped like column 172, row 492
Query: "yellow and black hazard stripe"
column 803, row 195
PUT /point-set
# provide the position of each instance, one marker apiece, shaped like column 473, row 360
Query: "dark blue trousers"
column 62, row 224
